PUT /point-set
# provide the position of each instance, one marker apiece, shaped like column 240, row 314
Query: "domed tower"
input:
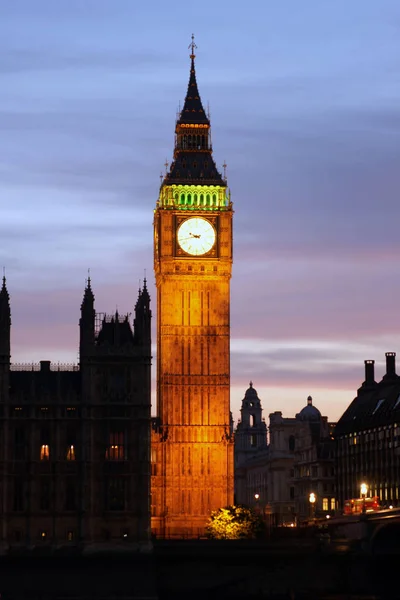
column 250, row 439
column 309, row 412
column 251, row 432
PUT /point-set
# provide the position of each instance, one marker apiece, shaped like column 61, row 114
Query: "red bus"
column 359, row 505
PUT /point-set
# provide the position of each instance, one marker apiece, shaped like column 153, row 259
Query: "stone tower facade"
column 192, row 447
column 250, row 440
column 75, row 439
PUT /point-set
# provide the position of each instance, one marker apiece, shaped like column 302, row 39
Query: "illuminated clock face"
column 196, row 236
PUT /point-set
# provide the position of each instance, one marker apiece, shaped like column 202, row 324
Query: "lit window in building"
column 153, row 455
column 252, row 420
column 115, row 449
column 325, row 504
column 70, row 536
column 71, row 452
column 44, row 452
column 332, row 503
column 43, row 535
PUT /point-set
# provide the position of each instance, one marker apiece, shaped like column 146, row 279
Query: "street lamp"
column 364, row 492
column 312, row 499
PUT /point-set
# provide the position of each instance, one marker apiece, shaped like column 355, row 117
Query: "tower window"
column 201, row 199
column 252, row 420
column 44, row 452
column 18, row 495
column 214, row 199
column 45, row 496
column 253, row 441
column 189, row 198
column 115, row 449
column 182, row 198
column 208, row 199
column 70, row 496
column 19, row 443
column 115, row 494
column 71, row 452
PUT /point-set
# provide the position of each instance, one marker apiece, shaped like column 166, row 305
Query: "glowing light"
column 364, row 489
column 312, row 498
column 71, row 453
column 328, row 516
column 256, row 496
column 44, row 452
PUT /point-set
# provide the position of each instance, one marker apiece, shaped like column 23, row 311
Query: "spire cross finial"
column 166, row 165
column 192, row 46
column 224, row 167
column 4, row 276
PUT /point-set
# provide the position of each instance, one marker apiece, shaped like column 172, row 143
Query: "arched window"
column 252, row 420
column 208, row 199
column 182, row 198
column 189, row 141
column 195, row 199
column 214, row 199
column 184, row 142
column 202, row 199
column 176, row 197
column 189, row 198
column 291, row 443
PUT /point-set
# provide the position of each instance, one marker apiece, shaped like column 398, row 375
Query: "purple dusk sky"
column 304, row 101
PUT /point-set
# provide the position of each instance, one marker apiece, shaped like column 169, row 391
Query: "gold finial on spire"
column 192, row 46
column 166, row 165
column 224, row 167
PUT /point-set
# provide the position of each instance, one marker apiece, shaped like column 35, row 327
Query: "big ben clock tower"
column 192, row 449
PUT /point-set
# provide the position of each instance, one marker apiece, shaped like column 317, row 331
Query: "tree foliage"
column 233, row 523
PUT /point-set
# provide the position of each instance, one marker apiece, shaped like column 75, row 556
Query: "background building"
column 368, row 438
column 75, row 441
column 250, row 442
column 314, row 464
column 277, row 478
column 192, row 446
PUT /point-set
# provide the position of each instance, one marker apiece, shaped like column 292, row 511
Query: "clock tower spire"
column 192, row 449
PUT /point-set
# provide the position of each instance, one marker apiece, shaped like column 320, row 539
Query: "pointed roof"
column 4, row 295
column 193, row 111
column 88, row 296
column 143, row 296
column 5, row 311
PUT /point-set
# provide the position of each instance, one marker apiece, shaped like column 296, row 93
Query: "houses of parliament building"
column 79, row 449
